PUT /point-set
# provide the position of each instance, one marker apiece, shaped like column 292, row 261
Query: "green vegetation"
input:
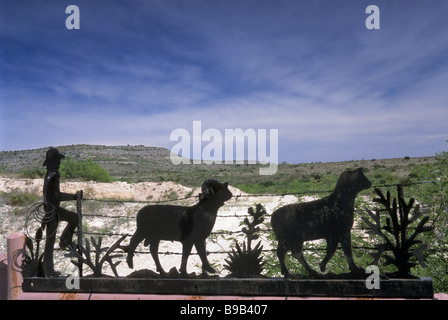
column 18, row 198
column 303, row 183
column 140, row 164
column 32, row 173
column 87, row 170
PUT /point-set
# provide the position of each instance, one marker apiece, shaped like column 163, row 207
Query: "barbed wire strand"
column 236, row 199
column 227, row 232
column 254, row 195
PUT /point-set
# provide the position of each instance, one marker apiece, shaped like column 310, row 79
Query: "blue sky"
column 137, row 70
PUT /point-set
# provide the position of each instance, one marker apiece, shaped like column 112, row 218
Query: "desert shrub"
column 87, row 170
column 19, row 198
column 32, row 173
column 303, row 183
column 171, row 195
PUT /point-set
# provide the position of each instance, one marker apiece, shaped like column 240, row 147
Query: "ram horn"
column 209, row 186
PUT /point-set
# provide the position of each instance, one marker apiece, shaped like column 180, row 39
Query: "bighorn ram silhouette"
column 329, row 218
column 189, row 225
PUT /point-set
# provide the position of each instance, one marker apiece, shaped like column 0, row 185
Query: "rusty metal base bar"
column 403, row 288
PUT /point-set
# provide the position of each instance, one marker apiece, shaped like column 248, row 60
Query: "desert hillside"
column 142, row 164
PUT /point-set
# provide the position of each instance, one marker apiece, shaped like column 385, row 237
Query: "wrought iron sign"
column 330, row 218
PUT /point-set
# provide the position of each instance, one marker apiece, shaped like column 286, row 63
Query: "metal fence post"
column 16, row 251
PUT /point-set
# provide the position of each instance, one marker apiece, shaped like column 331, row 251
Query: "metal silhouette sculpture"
column 54, row 213
column 247, row 262
column 401, row 221
column 189, row 225
column 84, row 257
column 329, row 218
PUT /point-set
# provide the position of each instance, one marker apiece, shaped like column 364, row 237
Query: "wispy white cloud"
column 134, row 75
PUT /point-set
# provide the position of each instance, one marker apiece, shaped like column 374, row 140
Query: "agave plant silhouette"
column 245, row 261
column 97, row 264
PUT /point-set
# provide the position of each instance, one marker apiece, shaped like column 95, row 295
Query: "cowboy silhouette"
column 54, row 213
